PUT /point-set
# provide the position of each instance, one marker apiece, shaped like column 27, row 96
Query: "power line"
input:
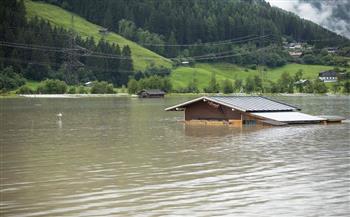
column 214, row 43
column 70, row 49
column 59, row 65
column 33, row 46
column 88, row 53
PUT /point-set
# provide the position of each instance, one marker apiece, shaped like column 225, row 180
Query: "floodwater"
column 128, row 157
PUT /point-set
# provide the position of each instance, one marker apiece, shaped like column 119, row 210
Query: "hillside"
column 142, row 57
column 184, row 22
column 39, row 48
column 202, row 73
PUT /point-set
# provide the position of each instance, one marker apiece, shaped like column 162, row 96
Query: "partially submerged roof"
column 241, row 103
column 152, row 91
column 289, row 117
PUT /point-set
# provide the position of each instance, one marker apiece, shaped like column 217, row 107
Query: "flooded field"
column 128, row 157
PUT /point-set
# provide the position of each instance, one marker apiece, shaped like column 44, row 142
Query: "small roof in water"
column 152, row 91
column 242, row 103
column 289, row 117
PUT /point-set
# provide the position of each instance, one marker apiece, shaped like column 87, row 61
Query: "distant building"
column 103, row 31
column 242, row 110
column 295, row 46
column 302, row 82
column 328, row 76
column 332, row 49
column 88, row 84
column 151, row 93
column 295, row 53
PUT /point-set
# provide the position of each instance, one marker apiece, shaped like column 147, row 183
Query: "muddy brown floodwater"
column 128, row 157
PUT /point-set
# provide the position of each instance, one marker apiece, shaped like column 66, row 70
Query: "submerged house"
column 151, row 93
column 239, row 110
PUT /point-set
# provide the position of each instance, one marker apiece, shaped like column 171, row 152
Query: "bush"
column 72, row 90
column 319, row 87
column 249, row 85
column 286, row 83
column 238, row 85
column 227, row 86
column 101, row 87
column 309, row 59
column 9, row 79
column 133, row 86
column 52, row 87
column 82, row 90
column 346, row 88
column 25, row 90
column 152, row 82
column 213, row 86
column 274, row 88
column 309, row 88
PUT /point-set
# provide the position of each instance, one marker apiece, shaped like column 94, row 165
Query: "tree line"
column 55, row 86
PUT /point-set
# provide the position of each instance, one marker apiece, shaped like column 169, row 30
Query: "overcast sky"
column 331, row 14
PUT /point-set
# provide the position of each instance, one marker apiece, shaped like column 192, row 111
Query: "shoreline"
column 69, row 96
column 75, row 96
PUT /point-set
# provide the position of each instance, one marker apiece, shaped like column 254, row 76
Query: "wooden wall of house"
column 207, row 111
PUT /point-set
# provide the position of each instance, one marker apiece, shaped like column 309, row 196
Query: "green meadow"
column 181, row 76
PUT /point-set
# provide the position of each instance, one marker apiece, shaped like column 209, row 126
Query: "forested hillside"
column 57, row 16
column 174, row 28
column 37, row 50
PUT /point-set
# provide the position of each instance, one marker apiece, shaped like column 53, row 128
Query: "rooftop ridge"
column 243, row 103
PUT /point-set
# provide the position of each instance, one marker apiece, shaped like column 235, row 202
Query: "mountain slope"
column 205, row 21
column 142, row 57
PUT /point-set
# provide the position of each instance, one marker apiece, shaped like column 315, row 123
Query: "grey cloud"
column 331, row 14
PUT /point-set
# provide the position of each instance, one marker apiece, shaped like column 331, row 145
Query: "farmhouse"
column 332, row 49
column 242, row 110
column 151, row 93
column 295, row 53
column 328, row 76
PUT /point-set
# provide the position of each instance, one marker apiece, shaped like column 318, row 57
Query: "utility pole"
column 261, row 71
column 72, row 61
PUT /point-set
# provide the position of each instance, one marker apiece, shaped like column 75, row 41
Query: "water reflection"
column 210, row 131
column 59, row 124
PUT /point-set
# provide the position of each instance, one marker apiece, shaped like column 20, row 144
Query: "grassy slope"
column 202, row 71
column 60, row 17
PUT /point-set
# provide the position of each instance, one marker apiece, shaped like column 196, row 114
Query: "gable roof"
column 329, row 73
column 241, row 103
column 152, row 92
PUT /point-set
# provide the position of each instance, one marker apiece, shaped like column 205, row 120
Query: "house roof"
column 301, row 81
column 288, row 117
column 241, row 103
column 152, row 91
column 329, row 73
